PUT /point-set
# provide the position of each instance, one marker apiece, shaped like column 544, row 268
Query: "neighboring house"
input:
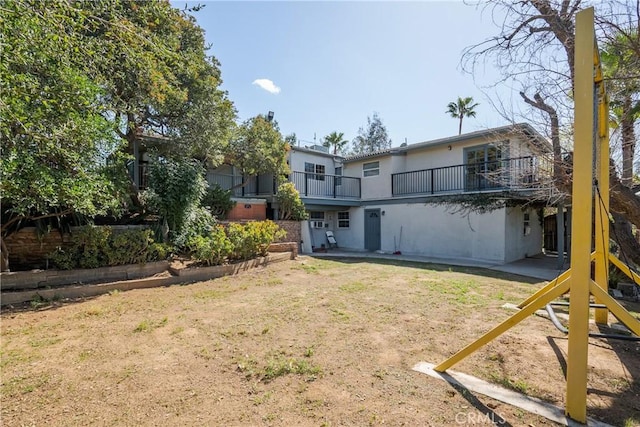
column 384, row 200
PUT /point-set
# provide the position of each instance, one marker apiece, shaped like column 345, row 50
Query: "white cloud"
column 267, row 85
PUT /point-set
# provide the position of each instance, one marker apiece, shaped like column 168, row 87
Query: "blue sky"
column 335, row 63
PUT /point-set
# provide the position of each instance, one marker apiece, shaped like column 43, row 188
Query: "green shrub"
column 291, row 206
column 211, row 249
column 128, row 247
column 199, row 222
column 94, row 247
column 252, row 239
column 218, row 201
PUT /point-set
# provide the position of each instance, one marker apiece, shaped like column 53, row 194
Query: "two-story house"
column 391, row 200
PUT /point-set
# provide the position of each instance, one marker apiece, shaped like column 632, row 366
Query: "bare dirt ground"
column 308, row 343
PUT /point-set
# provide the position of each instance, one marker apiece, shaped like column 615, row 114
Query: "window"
column 317, row 219
column 371, row 169
column 527, row 224
column 316, row 171
column 316, row 216
column 343, row 219
column 338, row 173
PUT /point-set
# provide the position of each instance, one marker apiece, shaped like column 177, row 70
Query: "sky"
column 327, row 66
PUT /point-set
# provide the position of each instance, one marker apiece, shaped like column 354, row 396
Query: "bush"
column 94, row 247
column 252, row 239
column 218, row 201
column 291, row 206
column 211, row 249
column 199, row 222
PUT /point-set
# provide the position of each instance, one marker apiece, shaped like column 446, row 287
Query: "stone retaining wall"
column 294, row 233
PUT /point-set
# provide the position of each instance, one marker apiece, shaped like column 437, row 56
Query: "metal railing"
column 308, row 185
column 262, row 185
column 509, row 174
column 311, row 184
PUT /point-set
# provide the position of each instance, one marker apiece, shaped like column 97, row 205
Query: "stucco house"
column 392, row 200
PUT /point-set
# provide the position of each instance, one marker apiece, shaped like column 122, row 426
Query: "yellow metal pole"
column 602, row 202
column 513, row 320
column 582, row 200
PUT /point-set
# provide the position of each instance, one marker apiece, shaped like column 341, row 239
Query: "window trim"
column 347, row 219
column 368, row 172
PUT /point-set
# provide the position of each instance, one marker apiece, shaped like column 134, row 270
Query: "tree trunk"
column 4, row 256
column 460, row 126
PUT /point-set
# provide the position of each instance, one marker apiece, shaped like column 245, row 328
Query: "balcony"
column 326, row 186
column 308, row 185
column 522, row 173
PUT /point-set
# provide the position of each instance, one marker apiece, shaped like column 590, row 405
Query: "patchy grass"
column 309, row 342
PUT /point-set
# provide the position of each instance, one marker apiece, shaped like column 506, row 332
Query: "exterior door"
column 372, row 229
column 482, row 164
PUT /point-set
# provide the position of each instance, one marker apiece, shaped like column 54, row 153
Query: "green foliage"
column 218, row 201
column 258, row 148
column 373, row 138
column 178, row 187
column 291, row 206
column 252, row 239
column 199, row 222
column 211, row 249
column 335, row 140
column 54, row 130
column 94, row 247
column 463, row 107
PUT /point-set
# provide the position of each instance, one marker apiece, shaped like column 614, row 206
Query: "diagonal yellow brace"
column 626, row 270
column 512, row 321
column 614, row 306
column 561, row 278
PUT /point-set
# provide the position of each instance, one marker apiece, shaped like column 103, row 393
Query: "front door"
column 372, row 229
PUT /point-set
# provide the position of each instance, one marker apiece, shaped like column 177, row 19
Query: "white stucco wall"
column 373, row 187
column 430, row 230
column 519, row 245
column 297, row 159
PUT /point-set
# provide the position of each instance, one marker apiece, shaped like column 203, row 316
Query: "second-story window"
column 371, row 169
column 314, row 171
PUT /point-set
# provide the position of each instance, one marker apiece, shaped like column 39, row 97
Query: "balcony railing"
column 262, row 185
column 509, row 174
column 308, row 185
column 329, row 186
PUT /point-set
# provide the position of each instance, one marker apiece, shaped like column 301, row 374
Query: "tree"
column 535, row 51
column 77, row 79
column 54, row 132
column 462, row 108
column 335, row 140
column 373, row 138
column 258, row 148
column 621, row 67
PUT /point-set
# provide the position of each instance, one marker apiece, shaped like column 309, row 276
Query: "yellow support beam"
column 625, row 269
column 619, row 311
column 582, row 197
column 513, row 320
column 602, row 198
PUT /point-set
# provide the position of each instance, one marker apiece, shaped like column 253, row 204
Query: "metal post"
column 602, row 199
column 577, row 353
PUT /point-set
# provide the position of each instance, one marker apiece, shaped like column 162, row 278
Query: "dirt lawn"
column 308, row 342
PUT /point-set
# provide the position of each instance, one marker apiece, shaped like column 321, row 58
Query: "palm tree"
column 462, row 108
column 336, row 140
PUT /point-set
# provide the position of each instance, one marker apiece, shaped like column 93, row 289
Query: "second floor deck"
column 513, row 175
